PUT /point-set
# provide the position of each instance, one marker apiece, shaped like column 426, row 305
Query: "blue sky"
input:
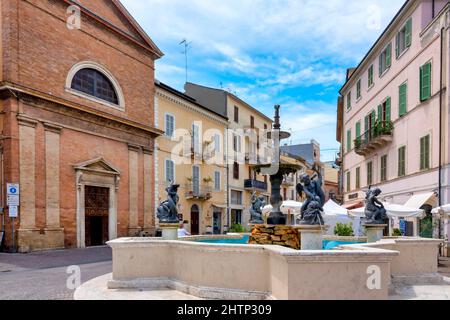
column 289, row 52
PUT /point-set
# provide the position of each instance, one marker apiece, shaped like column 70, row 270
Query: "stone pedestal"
column 169, row 231
column 374, row 232
column 286, row 236
column 311, row 237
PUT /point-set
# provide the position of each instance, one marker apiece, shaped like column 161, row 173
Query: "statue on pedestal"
column 312, row 209
column 374, row 211
column 167, row 211
column 258, row 204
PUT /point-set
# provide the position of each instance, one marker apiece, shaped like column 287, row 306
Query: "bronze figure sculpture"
column 312, row 209
column 374, row 211
column 167, row 211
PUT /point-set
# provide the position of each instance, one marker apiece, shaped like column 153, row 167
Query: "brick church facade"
column 77, row 123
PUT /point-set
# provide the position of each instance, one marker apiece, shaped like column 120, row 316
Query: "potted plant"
column 207, row 180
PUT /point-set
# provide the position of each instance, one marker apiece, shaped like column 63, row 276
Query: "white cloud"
column 264, row 50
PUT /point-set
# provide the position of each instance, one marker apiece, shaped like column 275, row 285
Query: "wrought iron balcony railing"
column 376, row 137
column 252, row 184
column 200, row 192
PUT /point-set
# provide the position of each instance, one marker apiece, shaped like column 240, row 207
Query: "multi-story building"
column 393, row 121
column 331, row 182
column 243, row 150
column 77, row 123
column 288, row 186
column 191, row 154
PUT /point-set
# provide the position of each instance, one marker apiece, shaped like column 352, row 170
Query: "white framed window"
column 196, row 138
column 237, row 143
column 217, row 143
column 170, row 171
column 169, row 125
column 217, row 181
column 92, row 81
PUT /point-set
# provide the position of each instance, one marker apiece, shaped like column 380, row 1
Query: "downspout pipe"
column 441, row 94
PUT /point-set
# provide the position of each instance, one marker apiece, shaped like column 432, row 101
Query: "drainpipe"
column 228, row 180
column 432, row 9
column 441, row 80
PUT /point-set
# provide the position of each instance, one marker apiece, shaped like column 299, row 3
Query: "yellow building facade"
column 191, row 153
column 243, row 181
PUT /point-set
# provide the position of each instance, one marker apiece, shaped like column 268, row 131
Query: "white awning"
column 219, row 206
column 444, row 210
column 331, row 208
column 392, row 210
column 418, row 200
column 288, row 207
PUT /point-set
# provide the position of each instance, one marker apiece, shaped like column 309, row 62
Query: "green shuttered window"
column 370, row 173
column 403, row 99
column 425, row 153
column 425, row 81
column 348, row 182
column 358, row 178
column 403, row 38
column 370, row 76
column 349, row 140
column 402, row 161
column 385, row 59
column 383, row 175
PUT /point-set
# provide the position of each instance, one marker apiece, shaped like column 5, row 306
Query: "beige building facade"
column 245, row 147
column 191, row 154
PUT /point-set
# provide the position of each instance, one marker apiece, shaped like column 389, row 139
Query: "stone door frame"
column 88, row 174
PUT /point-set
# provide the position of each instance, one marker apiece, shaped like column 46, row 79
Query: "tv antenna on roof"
column 187, row 47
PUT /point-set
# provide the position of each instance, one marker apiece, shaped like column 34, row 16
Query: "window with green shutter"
column 403, row 38
column 358, row 178
column 370, row 76
column 385, row 59
column 348, row 182
column 349, row 140
column 425, row 153
column 369, row 173
column 349, row 100
column 403, row 99
column 383, row 175
column 358, row 133
column 402, row 161
column 358, row 89
column 425, row 81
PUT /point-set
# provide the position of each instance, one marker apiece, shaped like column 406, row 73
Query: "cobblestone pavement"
column 43, row 275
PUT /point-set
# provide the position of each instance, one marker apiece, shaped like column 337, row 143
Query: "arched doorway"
column 195, row 220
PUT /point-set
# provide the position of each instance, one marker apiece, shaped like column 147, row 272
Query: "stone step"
column 444, row 262
column 422, row 279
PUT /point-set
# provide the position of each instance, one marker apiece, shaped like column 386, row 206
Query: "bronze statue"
column 312, row 209
column 374, row 211
column 258, row 204
column 167, row 211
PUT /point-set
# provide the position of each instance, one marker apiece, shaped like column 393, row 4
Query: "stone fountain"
column 311, row 225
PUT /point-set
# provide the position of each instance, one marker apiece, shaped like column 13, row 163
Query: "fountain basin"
column 233, row 271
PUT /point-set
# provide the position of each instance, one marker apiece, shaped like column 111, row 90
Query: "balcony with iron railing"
column 377, row 137
column 253, row 185
column 198, row 192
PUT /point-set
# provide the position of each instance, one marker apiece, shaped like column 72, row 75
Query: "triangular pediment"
column 117, row 16
column 97, row 165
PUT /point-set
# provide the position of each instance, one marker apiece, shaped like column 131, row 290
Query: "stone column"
column 27, row 233
column 27, row 168
column 149, row 224
column 52, row 178
column 133, row 227
column 54, row 236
